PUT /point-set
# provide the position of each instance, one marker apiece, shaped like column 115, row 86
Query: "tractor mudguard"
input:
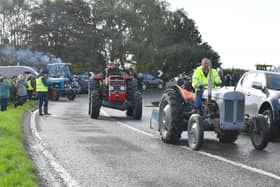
column 187, row 96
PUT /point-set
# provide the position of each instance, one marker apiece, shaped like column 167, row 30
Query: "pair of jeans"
column 21, row 100
column 4, row 103
column 43, row 99
column 198, row 99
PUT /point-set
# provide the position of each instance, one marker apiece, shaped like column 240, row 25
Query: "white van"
column 11, row 71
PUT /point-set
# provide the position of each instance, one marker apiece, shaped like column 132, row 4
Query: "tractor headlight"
column 122, row 88
column 111, row 88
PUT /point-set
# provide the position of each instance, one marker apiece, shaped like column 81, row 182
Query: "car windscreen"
column 273, row 81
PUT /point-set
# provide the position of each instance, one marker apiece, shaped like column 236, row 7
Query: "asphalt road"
column 118, row 151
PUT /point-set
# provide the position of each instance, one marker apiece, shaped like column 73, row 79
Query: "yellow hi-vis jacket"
column 200, row 78
column 40, row 87
column 29, row 86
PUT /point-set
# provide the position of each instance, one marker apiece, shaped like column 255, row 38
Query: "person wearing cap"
column 30, row 86
column 42, row 92
column 4, row 93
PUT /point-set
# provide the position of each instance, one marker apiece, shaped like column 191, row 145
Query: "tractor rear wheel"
column 260, row 132
column 195, row 132
column 228, row 136
column 137, row 112
column 171, row 117
column 129, row 111
column 95, row 104
column 131, row 89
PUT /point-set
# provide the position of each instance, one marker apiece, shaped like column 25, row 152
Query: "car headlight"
column 111, row 88
column 122, row 88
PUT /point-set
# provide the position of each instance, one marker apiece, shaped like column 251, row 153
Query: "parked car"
column 83, row 80
column 149, row 81
column 262, row 96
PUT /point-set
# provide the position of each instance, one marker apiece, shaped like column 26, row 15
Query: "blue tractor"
column 60, row 78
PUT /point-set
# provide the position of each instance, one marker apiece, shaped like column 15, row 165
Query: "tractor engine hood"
column 224, row 93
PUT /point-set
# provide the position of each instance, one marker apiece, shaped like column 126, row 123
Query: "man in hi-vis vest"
column 200, row 80
column 42, row 92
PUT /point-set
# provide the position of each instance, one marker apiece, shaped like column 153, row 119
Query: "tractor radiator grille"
column 240, row 111
column 232, row 109
column 229, row 111
column 117, row 88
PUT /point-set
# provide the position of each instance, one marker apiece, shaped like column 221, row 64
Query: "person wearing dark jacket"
column 42, row 92
column 21, row 90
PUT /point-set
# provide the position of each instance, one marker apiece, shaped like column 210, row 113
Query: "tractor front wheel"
column 95, row 105
column 195, row 132
column 71, row 96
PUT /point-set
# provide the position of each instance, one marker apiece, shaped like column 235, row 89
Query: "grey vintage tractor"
column 222, row 112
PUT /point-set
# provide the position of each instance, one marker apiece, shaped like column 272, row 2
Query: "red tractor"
column 115, row 91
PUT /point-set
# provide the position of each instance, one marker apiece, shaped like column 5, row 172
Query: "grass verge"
column 15, row 167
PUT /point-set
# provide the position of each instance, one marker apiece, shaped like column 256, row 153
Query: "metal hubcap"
column 193, row 134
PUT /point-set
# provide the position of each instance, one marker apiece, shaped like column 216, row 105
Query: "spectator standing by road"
column 21, row 90
column 4, row 93
column 30, row 86
column 42, row 92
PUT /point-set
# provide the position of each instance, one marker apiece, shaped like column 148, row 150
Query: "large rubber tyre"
column 89, row 103
column 129, row 111
column 228, row 136
column 274, row 131
column 195, row 132
column 131, row 90
column 137, row 111
column 95, row 105
column 71, row 96
column 260, row 132
column 171, row 117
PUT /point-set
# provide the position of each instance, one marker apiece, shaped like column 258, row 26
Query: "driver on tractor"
column 200, row 80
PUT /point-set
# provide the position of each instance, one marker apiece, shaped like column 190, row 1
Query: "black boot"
column 46, row 110
column 40, row 111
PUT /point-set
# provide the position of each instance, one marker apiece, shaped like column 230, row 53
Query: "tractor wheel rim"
column 193, row 134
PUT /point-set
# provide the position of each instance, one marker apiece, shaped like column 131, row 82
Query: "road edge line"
column 60, row 170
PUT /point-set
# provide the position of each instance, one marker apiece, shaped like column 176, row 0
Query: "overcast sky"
column 243, row 32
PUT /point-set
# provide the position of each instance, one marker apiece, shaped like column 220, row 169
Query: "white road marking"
column 64, row 175
column 135, row 129
column 237, row 164
column 216, row 157
column 128, row 126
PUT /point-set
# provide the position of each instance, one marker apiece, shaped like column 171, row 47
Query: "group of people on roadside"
column 18, row 89
column 24, row 87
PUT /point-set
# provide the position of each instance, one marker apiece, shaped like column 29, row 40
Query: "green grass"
column 15, row 167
